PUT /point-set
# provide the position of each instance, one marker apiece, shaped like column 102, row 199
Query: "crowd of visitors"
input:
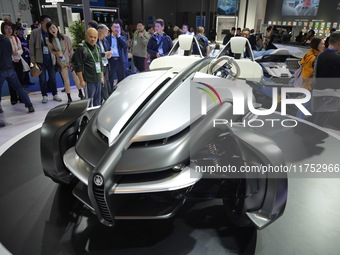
column 108, row 55
column 96, row 65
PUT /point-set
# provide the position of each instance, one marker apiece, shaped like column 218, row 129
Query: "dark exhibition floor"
column 38, row 216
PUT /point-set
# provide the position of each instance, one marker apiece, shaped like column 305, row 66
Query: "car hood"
column 130, row 95
column 175, row 114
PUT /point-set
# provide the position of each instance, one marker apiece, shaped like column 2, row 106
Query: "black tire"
column 234, row 209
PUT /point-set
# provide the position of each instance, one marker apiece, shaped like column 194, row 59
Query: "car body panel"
column 130, row 94
column 137, row 147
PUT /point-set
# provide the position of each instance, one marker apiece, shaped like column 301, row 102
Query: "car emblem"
column 98, row 180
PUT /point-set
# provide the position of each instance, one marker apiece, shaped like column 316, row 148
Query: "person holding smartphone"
column 139, row 44
column 117, row 61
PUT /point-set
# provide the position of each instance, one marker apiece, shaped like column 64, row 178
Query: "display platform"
column 38, row 216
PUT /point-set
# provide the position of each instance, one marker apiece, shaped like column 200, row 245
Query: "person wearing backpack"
column 160, row 43
column 317, row 46
column 202, row 43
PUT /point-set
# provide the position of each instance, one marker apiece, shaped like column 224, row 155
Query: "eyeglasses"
column 8, row 28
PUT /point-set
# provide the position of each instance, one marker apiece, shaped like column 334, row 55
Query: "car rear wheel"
column 235, row 211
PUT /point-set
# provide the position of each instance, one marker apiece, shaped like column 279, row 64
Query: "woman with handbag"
column 20, row 32
column 8, row 31
column 61, row 46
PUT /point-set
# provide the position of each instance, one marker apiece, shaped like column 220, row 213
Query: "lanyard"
column 58, row 42
column 159, row 38
column 91, row 53
column 15, row 46
column 43, row 39
column 101, row 45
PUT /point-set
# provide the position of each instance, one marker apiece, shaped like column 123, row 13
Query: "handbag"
column 57, row 68
column 297, row 80
column 35, row 71
column 25, row 66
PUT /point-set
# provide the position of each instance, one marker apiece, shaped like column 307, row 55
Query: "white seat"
column 185, row 42
column 249, row 69
column 175, row 62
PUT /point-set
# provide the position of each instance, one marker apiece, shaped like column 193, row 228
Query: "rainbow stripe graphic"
column 210, row 91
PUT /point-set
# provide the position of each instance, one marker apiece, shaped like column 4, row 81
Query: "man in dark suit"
column 118, row 46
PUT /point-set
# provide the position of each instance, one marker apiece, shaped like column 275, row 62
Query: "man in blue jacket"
column 160, row 43
column 117, row 61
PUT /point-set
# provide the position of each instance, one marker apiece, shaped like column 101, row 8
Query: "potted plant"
column 77, row 31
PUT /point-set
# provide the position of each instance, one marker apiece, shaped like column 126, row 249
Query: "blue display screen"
column 227, row 7
column 300, row 7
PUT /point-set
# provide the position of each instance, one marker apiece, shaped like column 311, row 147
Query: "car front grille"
column 100, row 199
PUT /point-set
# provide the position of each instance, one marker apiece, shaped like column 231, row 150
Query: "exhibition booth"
column 197, row 155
